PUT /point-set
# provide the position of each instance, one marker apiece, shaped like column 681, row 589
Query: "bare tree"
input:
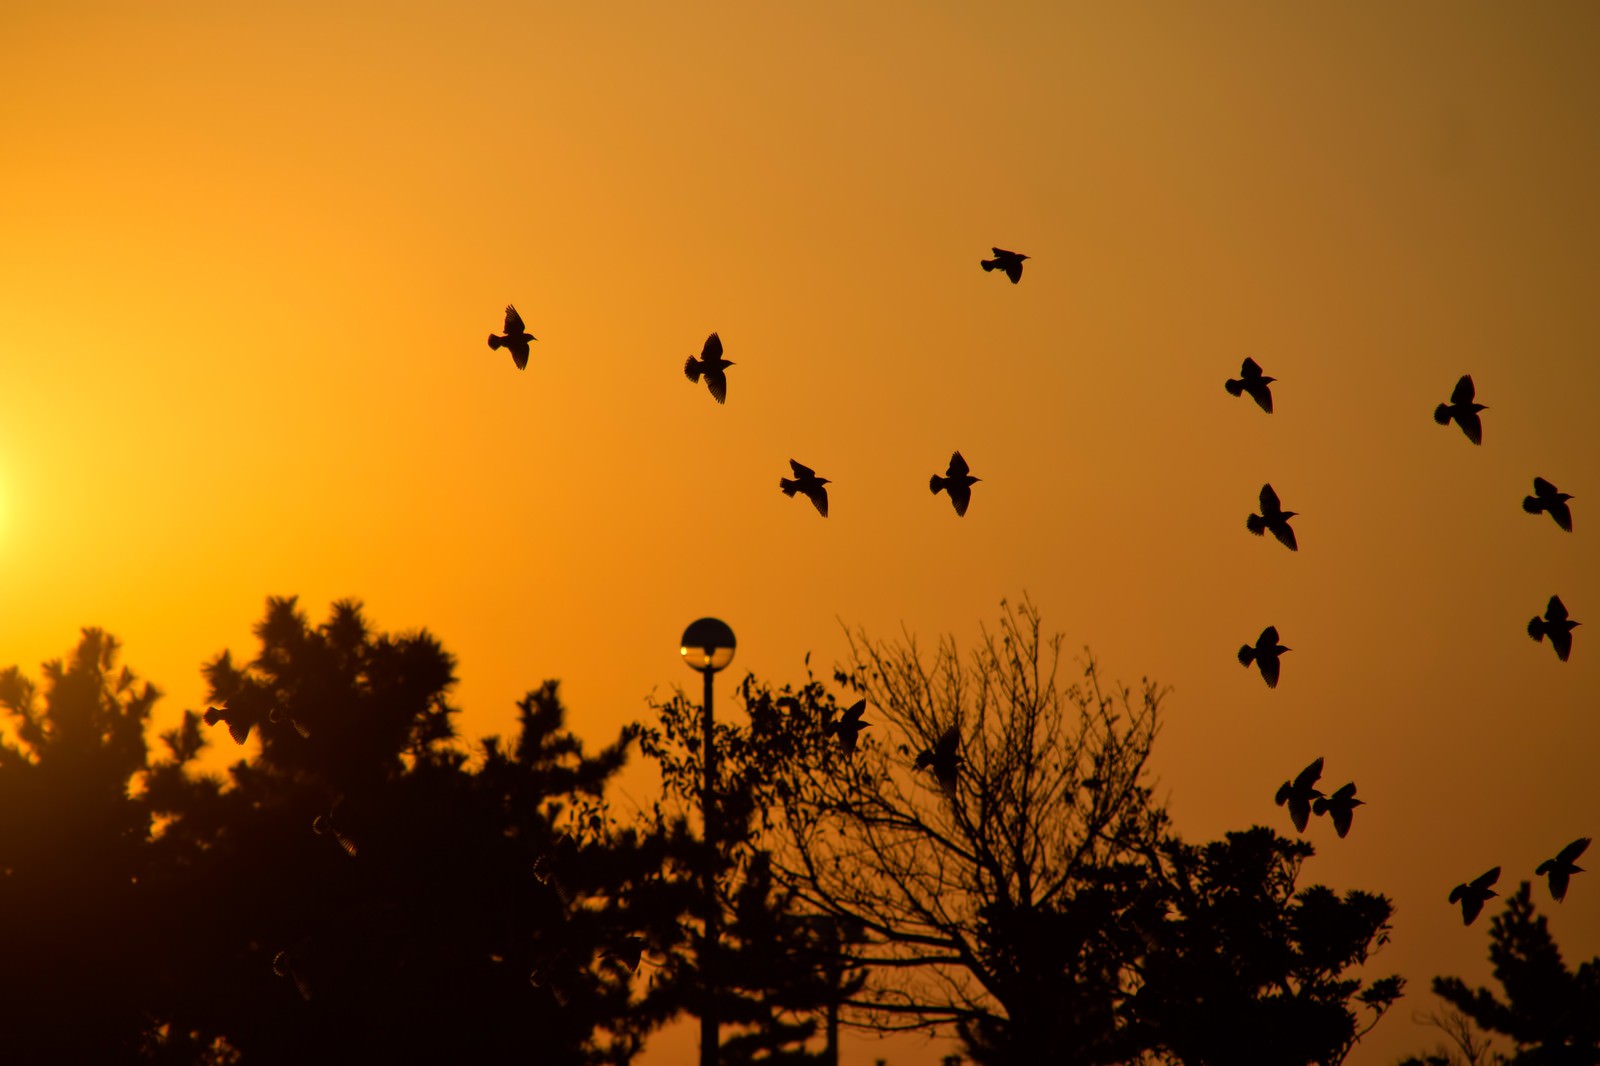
column 998, row 876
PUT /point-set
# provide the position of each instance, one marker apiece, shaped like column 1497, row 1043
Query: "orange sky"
column 248, row 262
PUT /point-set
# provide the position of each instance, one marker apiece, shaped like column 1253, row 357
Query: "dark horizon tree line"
column 361, row 888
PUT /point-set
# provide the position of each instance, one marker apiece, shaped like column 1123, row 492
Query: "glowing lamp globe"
column 707, row 645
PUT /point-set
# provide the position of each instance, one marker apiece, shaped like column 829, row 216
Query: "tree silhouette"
column 75, row 885
column 1030, row 895
column 1550, row 1014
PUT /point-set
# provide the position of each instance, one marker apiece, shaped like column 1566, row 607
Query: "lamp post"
column 707, row 646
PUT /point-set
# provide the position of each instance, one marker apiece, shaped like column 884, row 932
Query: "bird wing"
column 1309, row 775
column 1341, row 816
column 1269, row 501
column 1285, row 534
column 1562, row 514
column 958, row 466
column 801, row 471
column 519, row 353
column 1471, row 425
column 717, row 382
column 1463, row 391
column 1541, row 487
column 1346, row 793
column 819, row 500
column 1268, row 638
column 1269, row 669
column 854, row 712
column 960, row 496
column 1249, row 368
column 1556, row 611
column 1299, row 812
column 712, row 349
column 945, row 748
column 514, row 324
column 1261, row 394
column 1488, row 878
column 1571, row 852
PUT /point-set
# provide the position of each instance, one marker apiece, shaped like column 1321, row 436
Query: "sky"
column 249, row 258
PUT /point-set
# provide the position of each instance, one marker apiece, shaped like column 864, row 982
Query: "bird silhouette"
column 1547, row 499
column 1341, row 807
column 1010, row 262
column 711, row 365
column 238, row 724
column 848, row 726
column 1264, row 654
column 1300, row 793
column 957, row 481
column 515, row 340
column 1561, row 868
column 1273, row 517
column 1472, row 896
column 1463, row 410
column 1556, row 625
column 808, row 484
column 942, row 758
column 1253, row 381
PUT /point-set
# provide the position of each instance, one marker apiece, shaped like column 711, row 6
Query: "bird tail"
column 1536, row 628
column 1256, row 524
column 789, row 487
column 494, row 342
column 1441, row 415
column 934, row 484
column 1247, row 655
column 692, row 369
column 988, row 264
column 1235, row 386
column 1532, row 505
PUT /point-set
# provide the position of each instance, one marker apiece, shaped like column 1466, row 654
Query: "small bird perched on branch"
column 1462, row 410
column 1300, row 793
column 808, row 484
column 710, row 365
column 957, row 481
column 1253, row 381
column 1010, row 262
column 1273, row 517
column 1552, row 502
column 515, row 340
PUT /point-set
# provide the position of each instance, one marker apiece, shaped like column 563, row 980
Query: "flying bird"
column 711, row 365
column 1300, row 793
column 1273, row 517
column 1010, row 262
column 808, row 484
column 1556, row 625
column 1463, row 410
column 1253, row 381
column 957, row 481
column 1264, row 654
column 238, row 725
column 1341, row 807
column 1473, row 896
column 1561, row 868
column 942, row 758
column 1545, row 498
column 515, row 340
column 848, row 727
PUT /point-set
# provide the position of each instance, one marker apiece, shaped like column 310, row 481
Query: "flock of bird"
column 1301, row 795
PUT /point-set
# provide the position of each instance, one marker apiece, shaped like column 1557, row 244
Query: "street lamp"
column 707, row 646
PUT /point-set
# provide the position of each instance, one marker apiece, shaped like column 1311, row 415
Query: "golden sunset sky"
column 249, row 257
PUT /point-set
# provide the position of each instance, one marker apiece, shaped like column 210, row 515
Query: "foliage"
column 1550, row 1014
